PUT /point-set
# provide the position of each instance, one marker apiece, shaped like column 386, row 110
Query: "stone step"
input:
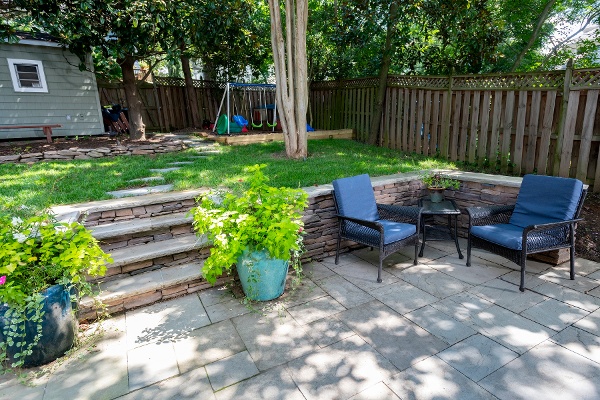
column 164, row 170
column 141, row 191
column 181, row 163
column 133, row 260
column 147, row 288
column 132, row 227
column 148, row 179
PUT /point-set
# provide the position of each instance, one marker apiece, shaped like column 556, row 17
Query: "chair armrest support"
column 551, row 225
column 553, row 229
column 489, row 215
column 369, row 224
column 408, row 214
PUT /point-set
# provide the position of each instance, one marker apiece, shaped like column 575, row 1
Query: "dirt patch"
column 87, row 142
column 588, row 231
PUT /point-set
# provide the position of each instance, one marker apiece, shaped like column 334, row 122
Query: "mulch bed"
column 588, row 231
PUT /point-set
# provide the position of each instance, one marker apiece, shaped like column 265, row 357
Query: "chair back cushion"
column 545, row 199
column 355, row 197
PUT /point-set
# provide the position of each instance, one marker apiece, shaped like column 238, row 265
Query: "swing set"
column 239, row 121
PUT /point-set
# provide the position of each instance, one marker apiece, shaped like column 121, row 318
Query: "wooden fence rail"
column 546, row 122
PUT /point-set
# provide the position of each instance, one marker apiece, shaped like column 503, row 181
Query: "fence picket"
column 585, row 146
column 520, row 132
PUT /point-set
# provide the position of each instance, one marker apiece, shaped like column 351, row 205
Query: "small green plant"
column 35, row 253
column 260, row 218
column 435, row 180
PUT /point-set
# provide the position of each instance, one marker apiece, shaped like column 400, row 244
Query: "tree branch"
column 534, row 35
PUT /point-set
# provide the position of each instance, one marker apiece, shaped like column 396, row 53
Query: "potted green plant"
column 436, row 184
column 259, row 230
column 43, row 270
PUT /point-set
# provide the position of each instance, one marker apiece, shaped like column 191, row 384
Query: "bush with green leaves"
column 435, row 180
column 260, row 218
column 35, row 253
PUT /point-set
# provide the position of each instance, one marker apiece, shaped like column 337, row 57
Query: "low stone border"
column 76, row 153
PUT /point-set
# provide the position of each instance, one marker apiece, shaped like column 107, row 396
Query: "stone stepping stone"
column 181, row 163
column 148, row 179
column 141, row 191
column 208, row 153
column 164, row 170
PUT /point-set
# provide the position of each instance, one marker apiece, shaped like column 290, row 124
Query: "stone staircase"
column 156, row 255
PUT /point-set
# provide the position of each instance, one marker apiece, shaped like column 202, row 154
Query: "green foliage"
column 436, row 180
column 36, row 253
column 260, row 218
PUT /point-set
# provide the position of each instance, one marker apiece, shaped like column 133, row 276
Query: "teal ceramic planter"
column 262, row 277
column 436, row 195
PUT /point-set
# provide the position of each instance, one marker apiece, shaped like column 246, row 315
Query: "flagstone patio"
column 439, row 330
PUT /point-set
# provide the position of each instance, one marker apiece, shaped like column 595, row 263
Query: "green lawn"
column 50, row 183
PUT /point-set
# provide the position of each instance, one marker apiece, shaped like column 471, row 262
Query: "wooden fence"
column 547, row 122
column 165, row 105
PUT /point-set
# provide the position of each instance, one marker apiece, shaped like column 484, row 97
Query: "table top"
column 445, row 207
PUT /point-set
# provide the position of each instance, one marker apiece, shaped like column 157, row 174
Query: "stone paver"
column 433, row 379
column 209, row 344
column 403, row 297
column 548, row 371
column 438, row 330
column 383, row 329
column 230, row 370
column 477, row 356
column 340, row 370
column 442, row 325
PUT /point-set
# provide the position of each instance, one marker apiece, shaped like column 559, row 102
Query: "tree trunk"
column 374, row 134
column 137, row 129
column 192, row 100
column 289, row 57
column 534, row 34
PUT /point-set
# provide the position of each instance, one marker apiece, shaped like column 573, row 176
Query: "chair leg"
column 416, row 253
column 523, row 262
column 469, row 250
column 337, row 248
column 572, row 261
column 380, row 266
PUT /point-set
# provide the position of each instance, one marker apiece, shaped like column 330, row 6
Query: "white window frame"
column 15, row 79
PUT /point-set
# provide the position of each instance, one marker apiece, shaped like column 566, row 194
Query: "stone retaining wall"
column 402, row 189
column 77, row 153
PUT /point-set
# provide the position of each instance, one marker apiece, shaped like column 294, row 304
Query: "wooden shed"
column 41, row 84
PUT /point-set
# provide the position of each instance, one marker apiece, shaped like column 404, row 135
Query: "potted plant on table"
column 258, row 230
column 436, row 184
column 43, row 270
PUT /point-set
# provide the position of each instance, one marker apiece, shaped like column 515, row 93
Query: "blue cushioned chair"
column 362, row 220
column 543, row 219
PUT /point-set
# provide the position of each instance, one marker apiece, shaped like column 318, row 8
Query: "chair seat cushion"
column 511, row 236
column 392, row 232
column 506, row 235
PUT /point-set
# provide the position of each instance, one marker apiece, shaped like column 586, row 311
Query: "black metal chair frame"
column 407, row 214
column 536, row 238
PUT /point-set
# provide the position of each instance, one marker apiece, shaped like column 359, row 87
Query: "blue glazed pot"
column 436, row 195
column 262, row 277
column 58, row 328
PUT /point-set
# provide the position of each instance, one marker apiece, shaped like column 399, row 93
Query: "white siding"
column 70, row 93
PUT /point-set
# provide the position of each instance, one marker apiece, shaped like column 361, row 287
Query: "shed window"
column 27, row 75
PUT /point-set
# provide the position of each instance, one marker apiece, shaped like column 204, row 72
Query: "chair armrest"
column 408, row 214
column 369, row 224
column 489, row 215
column 549, row 226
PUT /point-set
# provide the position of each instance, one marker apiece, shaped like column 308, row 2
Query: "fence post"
column 562, row 118
column 158, row 107
column 446, row 127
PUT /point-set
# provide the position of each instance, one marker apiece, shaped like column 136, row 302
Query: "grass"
column 45, row 184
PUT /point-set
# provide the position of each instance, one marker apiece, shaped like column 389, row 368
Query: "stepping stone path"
column 201, row 146
column 141, row 191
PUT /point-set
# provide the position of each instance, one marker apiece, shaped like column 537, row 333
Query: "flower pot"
column 58, row 328
column 436, row 195
column 262, row 277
